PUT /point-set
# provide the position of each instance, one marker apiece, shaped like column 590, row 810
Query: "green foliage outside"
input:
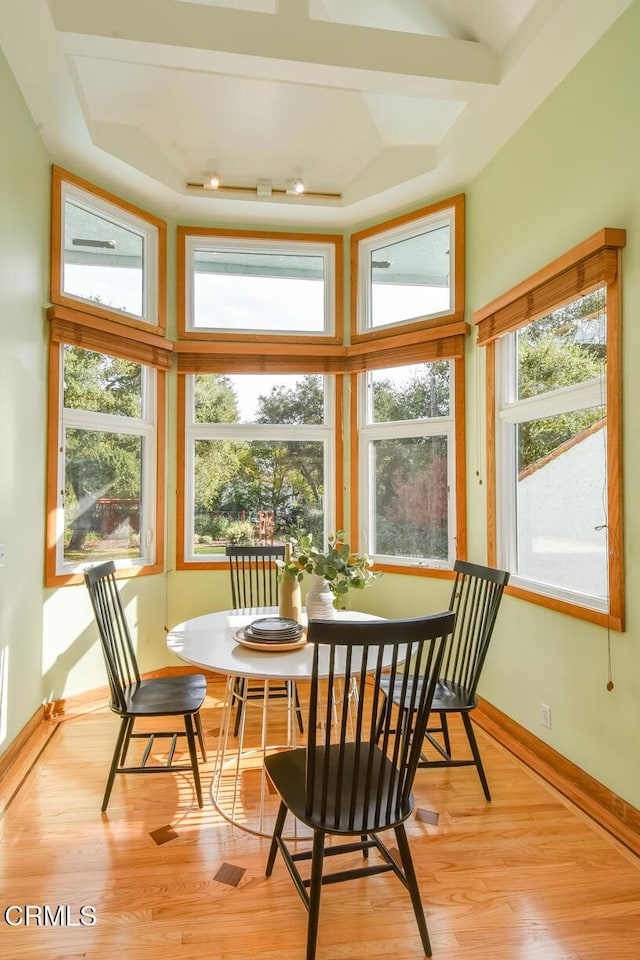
column 236, row 480
column 411, row 484
column 100, row 464
column 563, row 349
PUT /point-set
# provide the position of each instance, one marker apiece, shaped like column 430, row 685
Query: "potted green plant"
column 334, row 571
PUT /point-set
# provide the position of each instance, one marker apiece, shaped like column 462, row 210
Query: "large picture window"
column 238, row 284
column 407, row 464
column 554, row 372
column 259, row 459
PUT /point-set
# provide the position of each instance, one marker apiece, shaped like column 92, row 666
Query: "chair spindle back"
column 360, row 769
column 254, row 575
column 475, row 599
column 117, row 648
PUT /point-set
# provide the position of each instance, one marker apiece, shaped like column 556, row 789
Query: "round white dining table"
column 210, row 642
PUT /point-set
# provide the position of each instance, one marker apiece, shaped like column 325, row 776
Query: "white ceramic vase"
column 319, row 600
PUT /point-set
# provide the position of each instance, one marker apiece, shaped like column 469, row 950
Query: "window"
column 107, row 463
column 410, row 271
column 555, row 435
column 108, row 258
column 259, row 459
column 239, row 284
column 407, row 464
column 105, row 489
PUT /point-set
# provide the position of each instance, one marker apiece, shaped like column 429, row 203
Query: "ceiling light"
column 263, row 189
column 295, row 187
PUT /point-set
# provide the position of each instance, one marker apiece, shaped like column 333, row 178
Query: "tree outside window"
column 259, row 458
column 107, row 459
column 407, row 449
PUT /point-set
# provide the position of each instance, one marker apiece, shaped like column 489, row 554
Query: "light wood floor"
column 525, row 877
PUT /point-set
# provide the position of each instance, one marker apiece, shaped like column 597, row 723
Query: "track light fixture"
column 263, row 190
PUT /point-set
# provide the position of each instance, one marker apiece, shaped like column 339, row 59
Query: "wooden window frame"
column 593, row 263
column 115, row 346
column 156, row 322
column 445, row 348
column 452, row 317
column 192, row 363
column 257, row 339
column 79, row 323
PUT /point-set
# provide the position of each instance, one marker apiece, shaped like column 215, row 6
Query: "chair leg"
column 277, row 832
column 200, row 734
column 466, row 719
column 315, row 890
column 191, row 740
column 444, row 727
column 412, row 884
column 125, row 725
column 127, row 739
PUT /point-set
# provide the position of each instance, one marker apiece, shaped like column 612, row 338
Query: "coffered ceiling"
column 374, row 104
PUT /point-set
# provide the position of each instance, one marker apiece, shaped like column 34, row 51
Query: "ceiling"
column 384, row 103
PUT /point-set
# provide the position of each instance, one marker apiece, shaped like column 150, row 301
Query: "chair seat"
column 448, row 696
column 451, row 696
column 164, row 696
column 357, row 770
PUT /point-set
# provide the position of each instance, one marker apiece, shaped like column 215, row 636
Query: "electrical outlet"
column 545, row 715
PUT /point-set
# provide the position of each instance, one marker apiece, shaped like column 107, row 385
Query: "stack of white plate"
column 273, row 630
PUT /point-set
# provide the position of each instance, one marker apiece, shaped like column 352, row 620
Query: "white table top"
column 207, row 642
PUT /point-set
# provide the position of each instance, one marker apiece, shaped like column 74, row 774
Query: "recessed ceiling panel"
column 412, row 120
column 245, row 129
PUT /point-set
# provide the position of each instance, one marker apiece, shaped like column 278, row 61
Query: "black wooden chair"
column 475, row 600
column 135, row 699
column 254, row 574
column 254, row 584
column 354, row 778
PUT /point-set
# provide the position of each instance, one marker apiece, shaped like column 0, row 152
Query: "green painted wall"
column 571, row 169
column 24, row 242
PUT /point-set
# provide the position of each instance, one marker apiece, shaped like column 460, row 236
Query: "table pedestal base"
column 241, row 790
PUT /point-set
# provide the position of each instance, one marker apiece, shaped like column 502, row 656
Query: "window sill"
column 599, row 617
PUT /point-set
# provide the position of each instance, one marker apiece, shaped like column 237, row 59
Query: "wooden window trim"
column 457, row 204
column 59, row 176
column 105, row 336
column 53, row 579
column 590, row 264
column 577, row 272
column 259, row 338
column 452, row 349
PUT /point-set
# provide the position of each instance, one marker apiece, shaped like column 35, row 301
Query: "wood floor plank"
column 526, row 877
